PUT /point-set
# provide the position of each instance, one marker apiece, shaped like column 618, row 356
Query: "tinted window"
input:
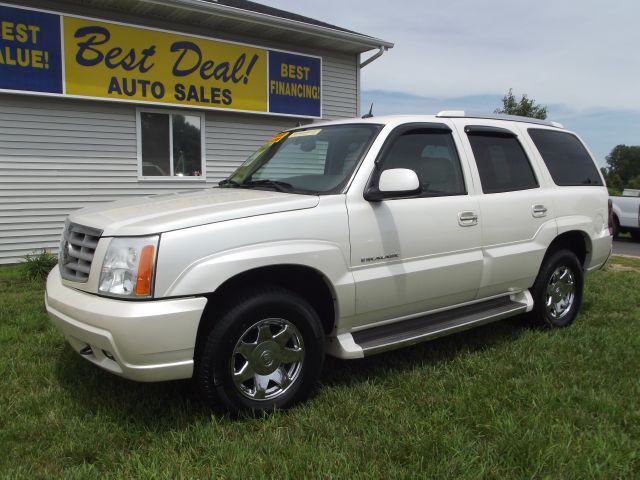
column 568, row 161
column 502, row 163
column 433, row 156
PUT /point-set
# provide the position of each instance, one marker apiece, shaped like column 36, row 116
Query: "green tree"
column 525, row 107
column 623, row 167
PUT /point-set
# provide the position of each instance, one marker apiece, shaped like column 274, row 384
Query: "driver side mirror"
column 393, row 183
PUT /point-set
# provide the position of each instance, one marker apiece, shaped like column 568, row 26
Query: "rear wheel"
column 616, row 227
column 557, row 292
column 264, row 353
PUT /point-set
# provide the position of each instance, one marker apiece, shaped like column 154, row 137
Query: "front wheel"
column 264, row 353
column 557, row 291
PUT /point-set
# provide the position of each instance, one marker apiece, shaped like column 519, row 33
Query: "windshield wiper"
column 276, row 184
column 228, row 183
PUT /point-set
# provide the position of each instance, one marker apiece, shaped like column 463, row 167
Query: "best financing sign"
column 52, row 54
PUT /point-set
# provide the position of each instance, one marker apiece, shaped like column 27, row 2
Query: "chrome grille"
column 76, row 251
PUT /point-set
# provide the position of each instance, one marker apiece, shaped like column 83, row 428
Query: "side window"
column 433, row 156
column 502, row 162
column 170, row 145
column 568, row 161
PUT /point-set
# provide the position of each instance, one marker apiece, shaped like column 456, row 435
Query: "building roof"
column 243, row 16
column 231, row 18
column 276, row 12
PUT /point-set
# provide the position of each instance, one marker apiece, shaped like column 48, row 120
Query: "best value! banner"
column 48, row 53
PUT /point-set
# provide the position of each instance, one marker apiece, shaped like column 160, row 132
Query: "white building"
column 102, row 100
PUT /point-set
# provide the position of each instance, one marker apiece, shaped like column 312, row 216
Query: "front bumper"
column 146, row 341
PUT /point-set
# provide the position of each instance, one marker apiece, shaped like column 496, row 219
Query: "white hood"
column 174, row 211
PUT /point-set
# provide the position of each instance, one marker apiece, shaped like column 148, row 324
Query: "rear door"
column 516, row 211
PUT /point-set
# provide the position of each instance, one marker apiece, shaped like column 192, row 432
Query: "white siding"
column 339, row 86
column 58, row 155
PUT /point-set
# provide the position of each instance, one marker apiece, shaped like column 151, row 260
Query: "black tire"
column 635, row 236
column 265, row 352
column 557, row 291
column 616, row 227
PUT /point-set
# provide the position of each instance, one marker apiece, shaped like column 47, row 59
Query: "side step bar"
column 415, row 330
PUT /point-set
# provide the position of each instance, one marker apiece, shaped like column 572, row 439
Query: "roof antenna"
column 370, row 114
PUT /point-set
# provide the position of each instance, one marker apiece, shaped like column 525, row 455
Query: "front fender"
column 207, row 274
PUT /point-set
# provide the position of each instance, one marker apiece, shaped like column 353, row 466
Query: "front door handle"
column 538, row 210
column 467, row 219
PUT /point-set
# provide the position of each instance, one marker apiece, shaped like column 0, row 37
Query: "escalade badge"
column 377, row 259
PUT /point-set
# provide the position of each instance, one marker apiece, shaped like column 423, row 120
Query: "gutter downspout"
column 374, row 57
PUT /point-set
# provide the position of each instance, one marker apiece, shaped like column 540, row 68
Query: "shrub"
column 38, row 265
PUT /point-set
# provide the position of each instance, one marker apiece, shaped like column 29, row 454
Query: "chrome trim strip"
column 465, row 325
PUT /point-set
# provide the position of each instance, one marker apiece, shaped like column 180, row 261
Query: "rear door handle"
column 467, row 219
column 538, row 210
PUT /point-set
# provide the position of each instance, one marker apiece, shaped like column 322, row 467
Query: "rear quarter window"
column 567, row 160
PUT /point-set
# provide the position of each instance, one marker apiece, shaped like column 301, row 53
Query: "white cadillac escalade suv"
column 348, row 238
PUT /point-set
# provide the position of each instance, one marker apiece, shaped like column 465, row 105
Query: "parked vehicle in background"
column 351, row 237
column 626, row 213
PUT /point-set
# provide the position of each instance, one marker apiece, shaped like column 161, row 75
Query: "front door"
column 415, row 254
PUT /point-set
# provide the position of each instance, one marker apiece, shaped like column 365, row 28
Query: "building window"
column 170, row 145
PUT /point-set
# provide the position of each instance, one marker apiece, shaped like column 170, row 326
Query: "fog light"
column 86, row 351
column 109, row 355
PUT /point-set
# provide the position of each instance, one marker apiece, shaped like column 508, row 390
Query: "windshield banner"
column 117, row 62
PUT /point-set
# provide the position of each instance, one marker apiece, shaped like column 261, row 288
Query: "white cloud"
column 580, row 53
column 578, row 57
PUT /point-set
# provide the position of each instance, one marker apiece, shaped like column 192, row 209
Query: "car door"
column 518, row 222
column 416, row 253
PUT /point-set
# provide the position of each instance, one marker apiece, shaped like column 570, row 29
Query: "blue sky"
column 580, row 58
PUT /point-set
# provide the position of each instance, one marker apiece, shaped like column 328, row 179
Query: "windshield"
column 315, row 161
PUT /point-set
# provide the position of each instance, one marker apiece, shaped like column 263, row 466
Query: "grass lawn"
column 501, row 401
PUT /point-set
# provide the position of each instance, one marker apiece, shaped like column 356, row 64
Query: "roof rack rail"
column 497, row 116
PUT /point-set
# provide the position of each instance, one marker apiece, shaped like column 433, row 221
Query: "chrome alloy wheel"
column 561, row 292
column 267, row 359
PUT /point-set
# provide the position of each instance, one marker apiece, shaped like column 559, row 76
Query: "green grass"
column 502, row 401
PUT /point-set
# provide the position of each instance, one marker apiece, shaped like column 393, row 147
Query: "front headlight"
column 128, row 267
column 62, row 250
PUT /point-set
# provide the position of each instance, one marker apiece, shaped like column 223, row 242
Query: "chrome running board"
column 409, row 332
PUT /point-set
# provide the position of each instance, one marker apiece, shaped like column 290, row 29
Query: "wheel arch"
column 576, row 241
column 306, row 281
column 617, row 211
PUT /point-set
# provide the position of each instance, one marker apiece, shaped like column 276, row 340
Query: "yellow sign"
column 118, row 62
